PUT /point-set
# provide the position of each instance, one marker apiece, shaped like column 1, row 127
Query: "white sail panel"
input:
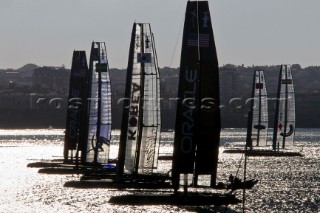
column 150, row 124
column 286, row 114
column 93, row 116
column 99, row 126
column 260, row 111
column 155, row 164
column 134, row 108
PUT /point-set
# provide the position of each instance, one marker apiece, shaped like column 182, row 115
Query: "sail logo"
column 144, row 57
column 73, row 124
column 101, row 67
column 134, row 112
column 259, row 85
column 286, row 81
column 147, row 41
column 73, row 109
column 194, row 18
column 187, row 128
column 205, row 19
column 137, row 41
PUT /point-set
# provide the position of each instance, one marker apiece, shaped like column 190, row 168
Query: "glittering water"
column 287, row 184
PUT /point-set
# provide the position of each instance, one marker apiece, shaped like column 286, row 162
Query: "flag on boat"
column 144, row 57
column 101, row 67
column 201, row 40
column 286, row 81
column 259, row 85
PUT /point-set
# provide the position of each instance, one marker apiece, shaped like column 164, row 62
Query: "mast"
column 85, row 133
column 259, row 116
column 285, row 108
column 248, row 142
column 158, row 119
column 276, row 120
column 142, row 76
column 96, row 148
column 250, row 114
column 197, row 130
column 125, row 113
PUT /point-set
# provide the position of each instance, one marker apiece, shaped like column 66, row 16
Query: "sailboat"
column 257, row 116
column 284, row 123
column 197, row 130
column 97, row 131
column 76, row 107
column 259, row 111
column 75, row 114
column 88, row 126
column 141, row 119
column 198, row 122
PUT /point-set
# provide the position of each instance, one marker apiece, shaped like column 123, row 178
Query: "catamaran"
column 75, row 113
column 284, row 123
column 259, row 111
column 257, row 116
column 141, row 120
column 198, row 123
column 76, row 106
column 97, row 134
column 88, row 129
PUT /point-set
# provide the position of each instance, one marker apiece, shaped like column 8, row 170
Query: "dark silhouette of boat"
column 88, row 123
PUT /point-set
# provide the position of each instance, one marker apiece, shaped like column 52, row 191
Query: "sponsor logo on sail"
column 205, row 19
column 134, row 112
column 187, row 127
column 73, row 116
column 144, row 58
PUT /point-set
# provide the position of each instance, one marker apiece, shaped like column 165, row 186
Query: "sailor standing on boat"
column 231, row 179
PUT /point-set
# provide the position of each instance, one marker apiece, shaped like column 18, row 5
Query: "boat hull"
column 190, row 199
column 263, row 153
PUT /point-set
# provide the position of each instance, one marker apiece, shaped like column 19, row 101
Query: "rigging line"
column 195, row 175
column 177, row 40
column 239, row 164
column 244, row 179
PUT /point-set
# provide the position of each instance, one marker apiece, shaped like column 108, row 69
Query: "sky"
column 249, row 32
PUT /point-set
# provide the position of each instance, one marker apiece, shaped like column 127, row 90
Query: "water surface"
column 287, row 184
